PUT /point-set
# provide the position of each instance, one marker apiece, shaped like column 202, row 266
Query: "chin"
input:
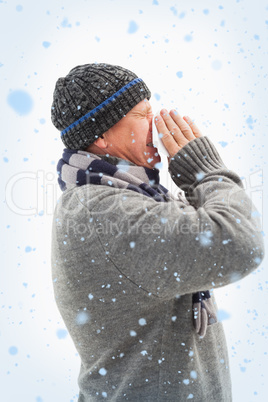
column 151, row 155
column 154, row 162
column 157, row 158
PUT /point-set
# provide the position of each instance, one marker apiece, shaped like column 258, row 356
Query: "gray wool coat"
column 124, row 268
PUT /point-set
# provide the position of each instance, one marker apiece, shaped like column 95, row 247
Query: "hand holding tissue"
column 176, row 132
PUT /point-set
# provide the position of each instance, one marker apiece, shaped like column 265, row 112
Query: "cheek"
column 145, row 126
column 140, row 132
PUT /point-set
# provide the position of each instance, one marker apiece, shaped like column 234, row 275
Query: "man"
column 133, row 266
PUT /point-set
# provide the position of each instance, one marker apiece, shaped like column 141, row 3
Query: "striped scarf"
column 78, row 168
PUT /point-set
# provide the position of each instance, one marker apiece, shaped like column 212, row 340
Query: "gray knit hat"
column 91, row 99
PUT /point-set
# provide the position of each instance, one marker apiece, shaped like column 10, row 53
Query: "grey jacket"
column 124, row 268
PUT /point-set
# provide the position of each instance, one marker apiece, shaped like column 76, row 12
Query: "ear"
column 101, row 142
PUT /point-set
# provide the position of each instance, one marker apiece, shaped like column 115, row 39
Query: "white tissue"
column 157, row 141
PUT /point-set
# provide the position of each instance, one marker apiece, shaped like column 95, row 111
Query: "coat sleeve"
column 170, row 248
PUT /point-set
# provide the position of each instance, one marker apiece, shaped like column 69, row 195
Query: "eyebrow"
column 146, row 109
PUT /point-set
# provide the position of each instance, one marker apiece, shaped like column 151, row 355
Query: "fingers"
column 176, row 124
column 169, row 142
column 175, row 131
column 193, row 126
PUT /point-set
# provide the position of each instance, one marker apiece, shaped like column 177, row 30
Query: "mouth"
column 150, row 144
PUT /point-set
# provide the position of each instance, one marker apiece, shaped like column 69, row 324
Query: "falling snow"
column 62, row 333
column 13, row 350
column 20, row 101
column 216, row 65
column 142, row 321
column 46, row 44
column 223, row 143
column 133, row 27
column 102, row 371
column 82, row 318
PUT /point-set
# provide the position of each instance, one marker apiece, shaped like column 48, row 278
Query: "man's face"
column 128, row 138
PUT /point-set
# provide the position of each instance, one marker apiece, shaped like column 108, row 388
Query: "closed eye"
column 149, row 112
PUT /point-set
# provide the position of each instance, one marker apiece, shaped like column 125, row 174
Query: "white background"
column 219, row 49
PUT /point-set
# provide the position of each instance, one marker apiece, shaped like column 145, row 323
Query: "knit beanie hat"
column 91, row 99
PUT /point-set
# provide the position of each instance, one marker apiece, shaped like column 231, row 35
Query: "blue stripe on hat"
column 101, row 105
